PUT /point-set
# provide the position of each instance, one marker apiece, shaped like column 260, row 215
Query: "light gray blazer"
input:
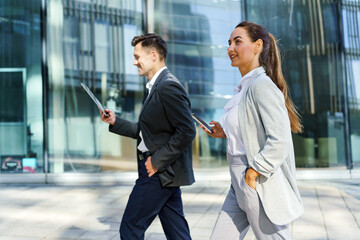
column 266, row 133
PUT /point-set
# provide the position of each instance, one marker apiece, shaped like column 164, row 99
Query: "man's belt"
column 144, row 155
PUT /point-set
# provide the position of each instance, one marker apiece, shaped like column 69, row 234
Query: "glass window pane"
column 21, row 113
column 90, row 42
column 309, row 33
column 197, row 33
column 351, row 27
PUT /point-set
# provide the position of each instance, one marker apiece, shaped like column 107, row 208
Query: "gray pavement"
column 29, row 212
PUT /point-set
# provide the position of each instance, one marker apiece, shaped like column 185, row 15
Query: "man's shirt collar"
column 151, row 83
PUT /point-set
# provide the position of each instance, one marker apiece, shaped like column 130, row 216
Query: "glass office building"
column 49, row 125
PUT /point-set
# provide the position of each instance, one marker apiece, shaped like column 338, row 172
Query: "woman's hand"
column 110, row 119
column 250, row 177
column 218, row 130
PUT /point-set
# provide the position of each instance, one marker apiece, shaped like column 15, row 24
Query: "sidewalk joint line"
column 322, row 214
column 347, row 206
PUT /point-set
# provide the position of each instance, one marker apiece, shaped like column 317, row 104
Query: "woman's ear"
column 258, row 45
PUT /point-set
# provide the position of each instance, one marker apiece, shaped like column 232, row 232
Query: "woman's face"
column 242, row 52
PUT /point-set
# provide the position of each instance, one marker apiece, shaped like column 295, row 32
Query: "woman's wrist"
column 252, row 174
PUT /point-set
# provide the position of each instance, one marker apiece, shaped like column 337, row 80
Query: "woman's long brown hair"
column 270, row 59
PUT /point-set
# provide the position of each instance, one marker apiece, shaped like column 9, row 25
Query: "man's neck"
column 155, row 70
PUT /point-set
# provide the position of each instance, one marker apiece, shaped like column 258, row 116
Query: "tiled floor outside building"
column 32, row 212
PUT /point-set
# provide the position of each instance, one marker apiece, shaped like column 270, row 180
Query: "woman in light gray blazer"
column 257, row 124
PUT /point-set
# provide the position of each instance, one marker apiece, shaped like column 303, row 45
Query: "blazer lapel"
column 153, row 89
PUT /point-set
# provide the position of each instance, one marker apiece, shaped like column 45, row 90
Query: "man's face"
column 143, row 59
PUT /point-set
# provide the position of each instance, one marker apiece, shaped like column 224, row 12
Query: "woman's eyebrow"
column 234, row 38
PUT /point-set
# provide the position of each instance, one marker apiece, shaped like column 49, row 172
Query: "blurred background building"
column 49, row 126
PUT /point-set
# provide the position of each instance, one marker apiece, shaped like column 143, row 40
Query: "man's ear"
column 154, row 55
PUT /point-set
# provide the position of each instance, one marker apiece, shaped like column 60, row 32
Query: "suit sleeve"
column 125, row 128
column 178, row 112
column 272, row 111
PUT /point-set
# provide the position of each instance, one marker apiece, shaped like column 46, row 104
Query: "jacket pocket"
column 167, row 176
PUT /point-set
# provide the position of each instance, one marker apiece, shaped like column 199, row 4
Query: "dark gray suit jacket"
column 167, row 128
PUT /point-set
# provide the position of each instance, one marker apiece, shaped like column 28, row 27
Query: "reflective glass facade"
column 311, row 42
column 88, row 41
column 21, row 99
column 350, row 14
column 47, row 48
column 197, row 33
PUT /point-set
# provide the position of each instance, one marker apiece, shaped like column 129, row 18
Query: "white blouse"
column 230, row 122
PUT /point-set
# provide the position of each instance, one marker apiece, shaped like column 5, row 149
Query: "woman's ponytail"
column 270, row 59
column 273, row 70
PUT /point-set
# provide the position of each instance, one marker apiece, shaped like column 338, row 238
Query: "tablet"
column 202, row 123
column 96, row 101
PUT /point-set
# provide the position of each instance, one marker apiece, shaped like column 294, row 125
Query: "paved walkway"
column 35, row 212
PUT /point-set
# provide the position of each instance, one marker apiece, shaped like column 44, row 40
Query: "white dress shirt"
column 230, row 122
column 142, row 147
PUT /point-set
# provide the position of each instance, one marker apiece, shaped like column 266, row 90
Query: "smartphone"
column 202, row 123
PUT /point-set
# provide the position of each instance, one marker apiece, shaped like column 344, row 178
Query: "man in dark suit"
column 164, row 131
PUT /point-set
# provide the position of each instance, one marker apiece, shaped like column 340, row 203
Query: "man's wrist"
column 113, row 122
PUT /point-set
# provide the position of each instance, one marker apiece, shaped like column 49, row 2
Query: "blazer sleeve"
column 177, row 110
column 125, row 128
column 273, row 114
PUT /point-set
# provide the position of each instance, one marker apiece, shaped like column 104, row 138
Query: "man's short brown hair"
column 151, row 40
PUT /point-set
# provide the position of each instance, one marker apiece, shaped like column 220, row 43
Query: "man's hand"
column 151, row 170
column 110, row 119
column 218, row 130
column 250, row 177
